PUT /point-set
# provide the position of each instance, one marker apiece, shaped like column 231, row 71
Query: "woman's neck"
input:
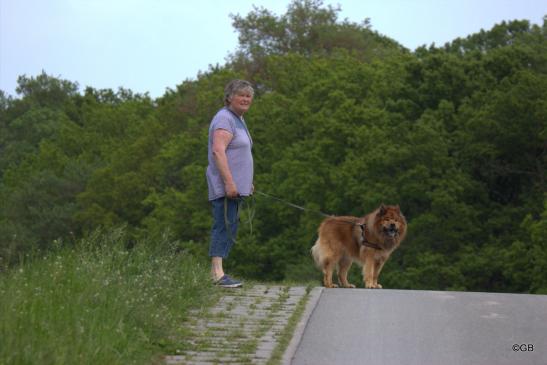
column 235, row 112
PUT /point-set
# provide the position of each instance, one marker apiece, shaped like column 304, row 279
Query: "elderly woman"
column 229, row 174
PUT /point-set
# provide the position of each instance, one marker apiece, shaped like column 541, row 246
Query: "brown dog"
column 369, row 240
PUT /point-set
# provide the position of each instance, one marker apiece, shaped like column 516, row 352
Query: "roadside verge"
column 259, row 324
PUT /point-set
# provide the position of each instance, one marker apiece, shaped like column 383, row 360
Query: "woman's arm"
column 221, row 139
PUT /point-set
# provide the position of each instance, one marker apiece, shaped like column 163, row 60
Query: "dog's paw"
column 349, row 286
column 331, row 286
column 378, row 286
column 370, row 286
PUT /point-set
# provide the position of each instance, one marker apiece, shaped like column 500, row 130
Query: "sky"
column 148, row 46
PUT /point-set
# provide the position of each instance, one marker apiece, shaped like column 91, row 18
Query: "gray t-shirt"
column 238, row 152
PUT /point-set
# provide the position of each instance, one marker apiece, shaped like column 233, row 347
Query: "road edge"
column 288, row 355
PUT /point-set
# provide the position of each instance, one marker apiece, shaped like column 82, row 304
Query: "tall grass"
column 100, row 303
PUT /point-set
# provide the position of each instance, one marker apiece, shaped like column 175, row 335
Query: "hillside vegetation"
column 99, row 303
column 344, row 119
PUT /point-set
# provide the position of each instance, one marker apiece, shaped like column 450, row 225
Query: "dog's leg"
column 368, row 269
column 328, row 269
column 343, row 267
column 378, row 265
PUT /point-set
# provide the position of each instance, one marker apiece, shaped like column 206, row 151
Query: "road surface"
column 388, row 327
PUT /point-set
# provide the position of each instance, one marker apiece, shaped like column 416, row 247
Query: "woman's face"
column 241, row 101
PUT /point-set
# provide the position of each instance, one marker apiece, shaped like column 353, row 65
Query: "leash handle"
column 240, row 203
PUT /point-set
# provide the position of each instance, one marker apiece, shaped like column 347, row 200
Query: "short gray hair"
column 234, row 87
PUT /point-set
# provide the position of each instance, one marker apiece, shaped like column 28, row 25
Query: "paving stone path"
column 243, row 328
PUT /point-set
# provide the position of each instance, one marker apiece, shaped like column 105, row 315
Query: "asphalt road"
column 387, row 327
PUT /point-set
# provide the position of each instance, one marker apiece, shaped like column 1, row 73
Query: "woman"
column 229, row 174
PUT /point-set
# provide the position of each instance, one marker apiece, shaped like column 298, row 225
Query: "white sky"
column 150, row 45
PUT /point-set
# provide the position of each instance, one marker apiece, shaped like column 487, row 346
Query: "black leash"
column 240, row 201
column 293, row 205
column 365, row 241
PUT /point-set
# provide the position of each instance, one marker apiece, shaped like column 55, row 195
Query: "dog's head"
column 390, row 222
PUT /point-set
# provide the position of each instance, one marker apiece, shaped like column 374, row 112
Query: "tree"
column 307, row 28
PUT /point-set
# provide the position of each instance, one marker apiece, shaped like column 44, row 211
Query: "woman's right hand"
column 231, row 190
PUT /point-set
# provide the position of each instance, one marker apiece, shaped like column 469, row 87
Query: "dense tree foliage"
column 343, row 120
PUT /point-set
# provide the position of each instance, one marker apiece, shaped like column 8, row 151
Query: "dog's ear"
column 382, row 209
column 398, row 208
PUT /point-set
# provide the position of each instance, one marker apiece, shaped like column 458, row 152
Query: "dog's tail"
column 316, row 253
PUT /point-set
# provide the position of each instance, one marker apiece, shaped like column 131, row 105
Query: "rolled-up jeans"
column 224, row 229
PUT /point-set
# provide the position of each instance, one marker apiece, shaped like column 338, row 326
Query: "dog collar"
column 366, row 242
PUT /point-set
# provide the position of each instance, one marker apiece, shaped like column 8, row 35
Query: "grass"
column 288, row 332
column 97, row 302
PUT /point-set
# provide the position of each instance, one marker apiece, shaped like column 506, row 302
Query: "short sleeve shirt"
column 238, row 152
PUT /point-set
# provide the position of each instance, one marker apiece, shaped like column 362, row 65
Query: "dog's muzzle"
column 392, row 230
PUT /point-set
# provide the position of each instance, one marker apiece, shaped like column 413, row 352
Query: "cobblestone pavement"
column 243, row 328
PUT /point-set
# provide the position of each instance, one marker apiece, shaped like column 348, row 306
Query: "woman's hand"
column 231, row 190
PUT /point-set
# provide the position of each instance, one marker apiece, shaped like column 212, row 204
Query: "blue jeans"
column 225, row 214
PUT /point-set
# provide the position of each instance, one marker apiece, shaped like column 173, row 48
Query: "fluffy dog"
column 368, row 240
